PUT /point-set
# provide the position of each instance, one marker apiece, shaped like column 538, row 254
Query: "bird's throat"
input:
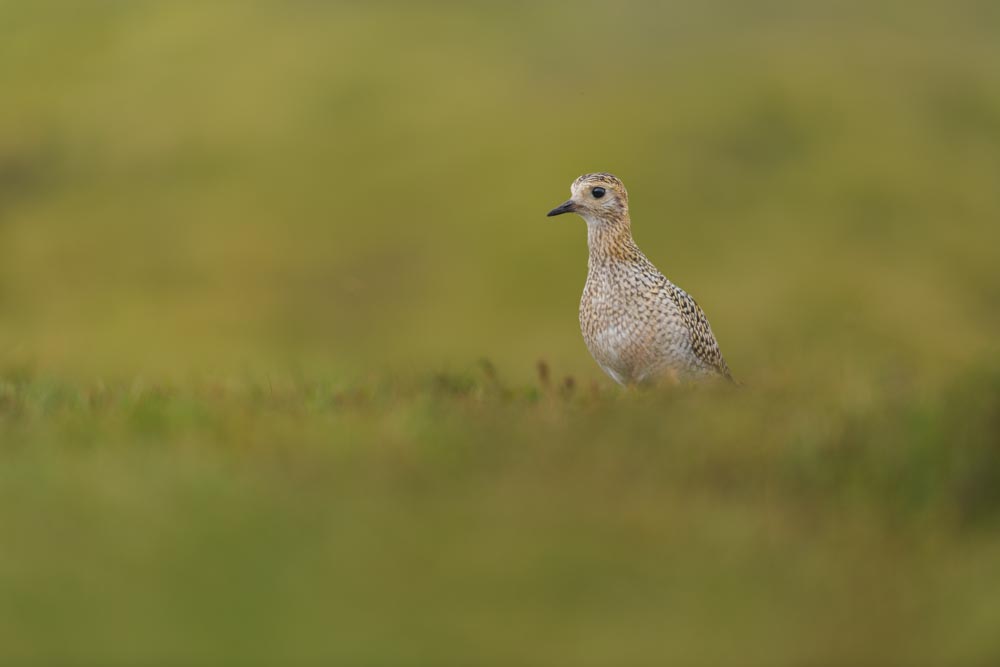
column 611, row 240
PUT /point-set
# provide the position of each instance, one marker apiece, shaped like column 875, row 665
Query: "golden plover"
column 638, row 326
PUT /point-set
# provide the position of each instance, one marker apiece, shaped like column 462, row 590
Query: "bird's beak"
column 567, row 207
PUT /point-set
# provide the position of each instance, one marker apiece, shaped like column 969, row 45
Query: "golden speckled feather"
column 638, row 325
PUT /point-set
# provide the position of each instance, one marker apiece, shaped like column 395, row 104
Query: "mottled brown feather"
column 637, row 325
column 703, row 342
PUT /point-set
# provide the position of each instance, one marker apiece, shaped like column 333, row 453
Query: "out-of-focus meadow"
column 274, row 280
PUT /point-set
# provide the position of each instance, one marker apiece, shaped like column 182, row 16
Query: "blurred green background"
column 253, row 253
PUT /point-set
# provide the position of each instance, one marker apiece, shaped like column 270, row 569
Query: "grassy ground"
column 250, row 254
column 458, row 520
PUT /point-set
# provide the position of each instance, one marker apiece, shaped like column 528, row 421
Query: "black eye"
column 597, row 192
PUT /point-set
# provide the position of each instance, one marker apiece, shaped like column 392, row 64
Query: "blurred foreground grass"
column 458, row 520
column 249, row 248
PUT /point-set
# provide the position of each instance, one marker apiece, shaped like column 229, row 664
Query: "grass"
column 455, row 519
column 251, row 251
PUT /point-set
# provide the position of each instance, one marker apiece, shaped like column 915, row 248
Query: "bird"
column 639, row 327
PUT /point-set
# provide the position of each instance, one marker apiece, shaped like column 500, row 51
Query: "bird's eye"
column 597, row 192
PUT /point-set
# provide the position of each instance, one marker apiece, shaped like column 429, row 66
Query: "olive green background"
column 275, row 278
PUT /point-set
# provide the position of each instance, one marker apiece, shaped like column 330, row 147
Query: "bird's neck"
column 611, row 241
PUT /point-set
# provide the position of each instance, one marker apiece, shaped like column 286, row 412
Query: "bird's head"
column 597, row 198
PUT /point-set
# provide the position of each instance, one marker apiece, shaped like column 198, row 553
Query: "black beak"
column 568, row 207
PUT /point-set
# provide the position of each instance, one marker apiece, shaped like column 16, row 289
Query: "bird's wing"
column 703, row 342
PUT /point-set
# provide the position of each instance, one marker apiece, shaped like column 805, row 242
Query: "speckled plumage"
column 638, row 325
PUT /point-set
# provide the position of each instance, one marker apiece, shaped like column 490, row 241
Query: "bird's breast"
column 631, row 328
column 613, row 320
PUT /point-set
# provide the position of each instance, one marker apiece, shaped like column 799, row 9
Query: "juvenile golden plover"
column 638, row 326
